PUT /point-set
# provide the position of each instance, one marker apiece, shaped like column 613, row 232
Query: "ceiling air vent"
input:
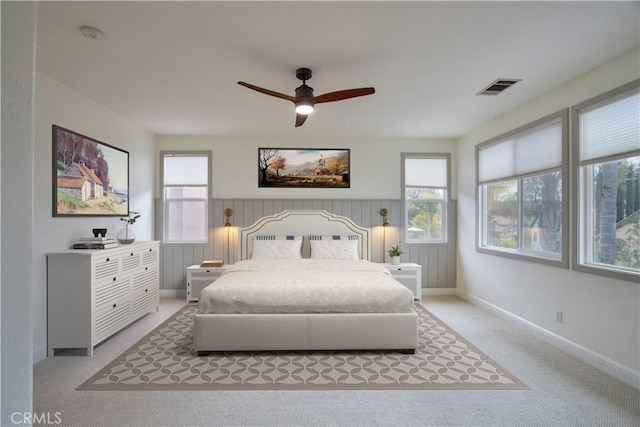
column 498, row 86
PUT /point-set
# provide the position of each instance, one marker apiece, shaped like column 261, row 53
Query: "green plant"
column 131, row 218
column 395, row 251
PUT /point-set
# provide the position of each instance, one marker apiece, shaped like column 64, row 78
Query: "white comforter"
column 305, row 286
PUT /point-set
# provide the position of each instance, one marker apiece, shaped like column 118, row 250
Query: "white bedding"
column 305, row 286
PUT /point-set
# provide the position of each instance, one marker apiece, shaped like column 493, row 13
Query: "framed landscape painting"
column 304, row 168
column 90, row 178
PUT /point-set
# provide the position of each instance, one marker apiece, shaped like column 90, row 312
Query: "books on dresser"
column 95, row 243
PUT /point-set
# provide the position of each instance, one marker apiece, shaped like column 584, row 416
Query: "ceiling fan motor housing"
column 304, row 91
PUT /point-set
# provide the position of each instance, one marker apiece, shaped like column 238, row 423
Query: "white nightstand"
column 199, row 278
column 409, row 274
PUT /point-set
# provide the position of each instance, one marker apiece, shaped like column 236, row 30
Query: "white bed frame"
column 333, row 331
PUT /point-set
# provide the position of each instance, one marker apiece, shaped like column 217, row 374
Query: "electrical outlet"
column 559, row 316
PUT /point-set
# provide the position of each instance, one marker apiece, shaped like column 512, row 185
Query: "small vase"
column 126, row 236
column 395, row 260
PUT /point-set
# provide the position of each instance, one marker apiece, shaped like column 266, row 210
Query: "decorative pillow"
column 334, row 237
column 335, row 249
column 277, row 249
column 274, row 237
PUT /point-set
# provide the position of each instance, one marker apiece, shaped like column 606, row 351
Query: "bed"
column 325, row 299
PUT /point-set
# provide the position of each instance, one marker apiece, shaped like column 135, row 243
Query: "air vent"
column 498, row 86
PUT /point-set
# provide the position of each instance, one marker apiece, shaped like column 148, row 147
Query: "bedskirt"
column 337, row 331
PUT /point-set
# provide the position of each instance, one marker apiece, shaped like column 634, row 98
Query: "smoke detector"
column 91, row 33
column 498, row 86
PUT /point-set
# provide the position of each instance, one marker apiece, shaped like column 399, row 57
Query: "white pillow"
column 335, row 249
column 277, row 249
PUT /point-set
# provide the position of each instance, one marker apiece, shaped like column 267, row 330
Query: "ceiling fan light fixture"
column 304, row 107
column 304, row 100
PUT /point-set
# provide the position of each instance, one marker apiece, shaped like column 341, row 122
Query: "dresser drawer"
column 105, row 267
column 110, row 291
column 144, row 301
column 111, row 319
column 148, row 278
column 131, row 261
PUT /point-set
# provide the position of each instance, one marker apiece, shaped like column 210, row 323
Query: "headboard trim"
column 304, row 223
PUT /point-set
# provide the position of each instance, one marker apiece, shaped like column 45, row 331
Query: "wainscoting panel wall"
column 438, row 261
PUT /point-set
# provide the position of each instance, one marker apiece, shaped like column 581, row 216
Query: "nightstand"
column 409, row 274
column 199, row 278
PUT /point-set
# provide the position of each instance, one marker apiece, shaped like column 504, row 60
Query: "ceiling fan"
column 304, row 99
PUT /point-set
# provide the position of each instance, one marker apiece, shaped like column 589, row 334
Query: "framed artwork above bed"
column 304, row 168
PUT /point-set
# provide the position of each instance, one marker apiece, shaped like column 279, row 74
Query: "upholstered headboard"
column 304, row 223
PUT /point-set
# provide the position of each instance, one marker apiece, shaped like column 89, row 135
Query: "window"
column 425, row 185
column 185, row 196
column 607, row 136
column 521, row 192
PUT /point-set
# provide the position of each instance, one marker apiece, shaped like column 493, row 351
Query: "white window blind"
column 420, row 172
column 535, row 150
column 185, row 170
column 610, row 129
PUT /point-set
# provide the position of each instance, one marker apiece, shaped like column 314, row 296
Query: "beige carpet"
column 165, row 360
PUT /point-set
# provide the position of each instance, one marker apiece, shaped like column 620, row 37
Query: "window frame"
column 444, row 202
column 520, row 253
column 165, row 204
column 582, row 246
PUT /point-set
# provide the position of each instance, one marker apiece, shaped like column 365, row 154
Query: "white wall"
column 600, row 314
column 18, row 65
column 375, row 165
column 60, row 105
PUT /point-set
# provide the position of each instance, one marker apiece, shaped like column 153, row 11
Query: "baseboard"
column 438, row 291
column 611, row 367
column 173, row 293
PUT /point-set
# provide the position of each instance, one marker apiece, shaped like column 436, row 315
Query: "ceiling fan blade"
column 300, row 118
column 268, row 92
column 344, row 94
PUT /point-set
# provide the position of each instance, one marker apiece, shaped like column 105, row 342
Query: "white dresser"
column 92, row 294
column 410, row 275
column 199, row 278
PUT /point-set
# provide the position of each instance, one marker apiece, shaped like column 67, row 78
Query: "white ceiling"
column 172, row 67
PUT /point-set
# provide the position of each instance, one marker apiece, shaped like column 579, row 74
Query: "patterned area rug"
column 165, row 360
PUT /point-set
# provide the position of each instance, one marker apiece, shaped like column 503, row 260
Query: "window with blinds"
column 425, row 189
column 522, row 196
column 607, row 137
column 185, row 195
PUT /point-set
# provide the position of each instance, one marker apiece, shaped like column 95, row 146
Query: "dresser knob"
column 114, row 306
column 131, row 254
column 146, row 290
column 107, row 259
column 146, row 268
column 114, row 279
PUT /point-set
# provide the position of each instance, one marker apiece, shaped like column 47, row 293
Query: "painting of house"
column 90, row 177
column 81, row 182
